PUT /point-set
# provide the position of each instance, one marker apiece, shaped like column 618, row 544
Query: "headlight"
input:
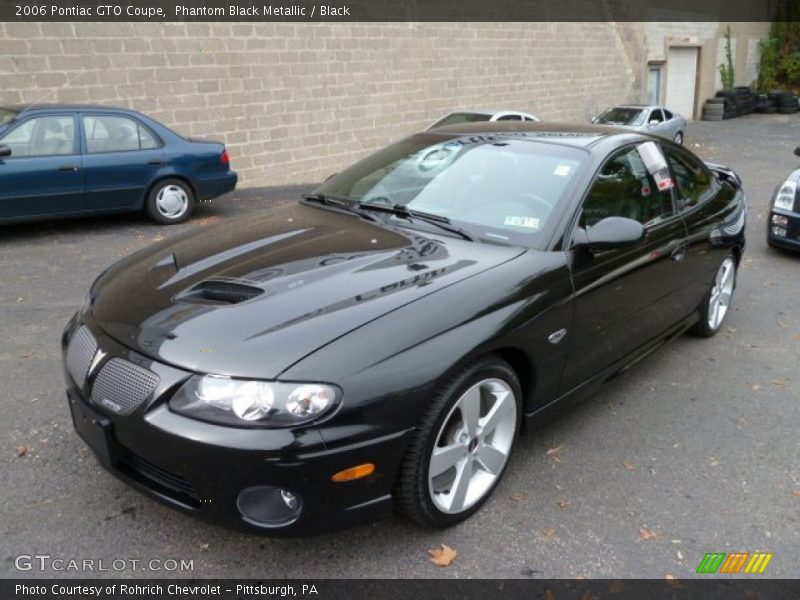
column 785, row 197
column 242, row 402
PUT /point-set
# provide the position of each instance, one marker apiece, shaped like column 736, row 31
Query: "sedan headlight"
column 243, row 402
column 785, row 197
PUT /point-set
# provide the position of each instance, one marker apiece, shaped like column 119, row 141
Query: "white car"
column 482, row 114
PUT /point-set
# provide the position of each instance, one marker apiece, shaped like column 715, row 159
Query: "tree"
column 726, row 72
column 779, row 66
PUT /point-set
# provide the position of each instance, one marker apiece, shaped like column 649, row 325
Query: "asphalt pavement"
column 694, row 450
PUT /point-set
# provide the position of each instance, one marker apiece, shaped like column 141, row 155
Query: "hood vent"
column 222, row 291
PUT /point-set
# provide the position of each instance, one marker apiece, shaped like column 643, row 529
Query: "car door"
column 42, row 175
column 695, row 189
column 624, row 298
column 121, row 158
column 670, row 126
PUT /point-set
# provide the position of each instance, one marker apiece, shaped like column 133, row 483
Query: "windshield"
column 622, row 116
column 496, row 188
column 6, row 114
column 461, row 117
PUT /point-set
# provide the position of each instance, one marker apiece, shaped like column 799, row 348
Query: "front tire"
column 716, row 304
column 461, row 448
column 170, row 201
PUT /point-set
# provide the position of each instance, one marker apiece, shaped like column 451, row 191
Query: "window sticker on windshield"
column 562, row 170
column 529, row 222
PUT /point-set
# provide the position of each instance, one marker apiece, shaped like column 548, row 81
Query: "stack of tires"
column 786, row 102
column 714, row 109
column 766, row 104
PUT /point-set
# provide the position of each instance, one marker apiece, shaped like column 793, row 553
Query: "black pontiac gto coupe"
column 380, row 343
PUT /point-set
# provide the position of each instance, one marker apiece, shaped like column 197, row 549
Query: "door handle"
column 68, row 168
column 155, row 162
column 679, row 252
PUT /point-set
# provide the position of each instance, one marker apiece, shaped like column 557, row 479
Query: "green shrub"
column 779, row 67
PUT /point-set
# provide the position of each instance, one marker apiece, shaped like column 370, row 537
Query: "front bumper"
column 201, row 468
column 791, row 240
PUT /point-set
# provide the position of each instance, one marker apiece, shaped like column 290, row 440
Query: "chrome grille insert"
column 80, row 353
column 122, row 387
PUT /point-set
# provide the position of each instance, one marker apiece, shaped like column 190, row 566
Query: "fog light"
column 778, row 231
column 780, row 220
column 268, row 506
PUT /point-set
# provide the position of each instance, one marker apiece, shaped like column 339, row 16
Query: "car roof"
column 567, row 134
column 486, row 111
column 640, row 106
column 48, row 107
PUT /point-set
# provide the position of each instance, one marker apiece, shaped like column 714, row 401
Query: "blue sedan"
column 60, row 161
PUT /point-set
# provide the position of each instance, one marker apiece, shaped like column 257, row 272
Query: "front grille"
column 160, row 480
column 122, row 386
column 80, row 353
column 229, row 292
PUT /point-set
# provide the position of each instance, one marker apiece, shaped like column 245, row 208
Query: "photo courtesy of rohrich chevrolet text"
column 417, row 300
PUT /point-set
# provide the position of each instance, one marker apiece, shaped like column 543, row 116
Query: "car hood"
column 253, row 295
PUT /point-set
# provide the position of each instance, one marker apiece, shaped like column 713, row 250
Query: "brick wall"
column 296, row 102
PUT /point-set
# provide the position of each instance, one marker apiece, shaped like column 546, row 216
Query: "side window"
column 510, row 118
column 42, row 136
column 624, row 188
column 108, row 133
column 693, row 182
column 656, row 115
column 667, row 115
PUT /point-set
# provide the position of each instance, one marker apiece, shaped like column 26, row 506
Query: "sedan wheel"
column 718, row 299
column 462, row 447
column 678, row 138
column 170, row 201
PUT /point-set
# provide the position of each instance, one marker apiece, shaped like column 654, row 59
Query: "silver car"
column 645, row 118
column 482, row 114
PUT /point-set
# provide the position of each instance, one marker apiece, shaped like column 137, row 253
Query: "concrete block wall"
column 296, row 102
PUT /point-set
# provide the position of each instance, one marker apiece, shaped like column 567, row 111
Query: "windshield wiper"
column 402, row 211
column 345, row 205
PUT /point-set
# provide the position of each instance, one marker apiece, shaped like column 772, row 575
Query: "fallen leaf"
column 549, row 595
column 22, row 451
column 549, row 532
column 755, row 387
column 554, row 451
column 647, row 534
column 587, row 595
column 443, row 556
column 617, row 586
column 27, row 355
column 562, row 504
column 796, row 493
column 779, row 382
column 519, row 497
column 204, row 546
column 732, row 330
column 743, row 422
column 630, row 466
column 673, row 582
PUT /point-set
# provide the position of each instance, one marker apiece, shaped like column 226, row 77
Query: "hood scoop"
column 221, row 291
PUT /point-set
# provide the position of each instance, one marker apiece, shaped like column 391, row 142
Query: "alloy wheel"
column 721, row 293
column 472, row 446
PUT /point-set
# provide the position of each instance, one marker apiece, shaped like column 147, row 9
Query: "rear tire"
column 170, row 201
column 678, row 139
column 716, row 303
column 471, row 425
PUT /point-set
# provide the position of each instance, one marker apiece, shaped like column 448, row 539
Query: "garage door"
column 681, row 79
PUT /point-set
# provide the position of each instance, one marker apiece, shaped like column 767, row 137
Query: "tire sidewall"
column 152, row 209
column 489, row 368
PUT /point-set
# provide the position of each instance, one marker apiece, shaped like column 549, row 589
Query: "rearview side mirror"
column 4, row 150
column 611, row 233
